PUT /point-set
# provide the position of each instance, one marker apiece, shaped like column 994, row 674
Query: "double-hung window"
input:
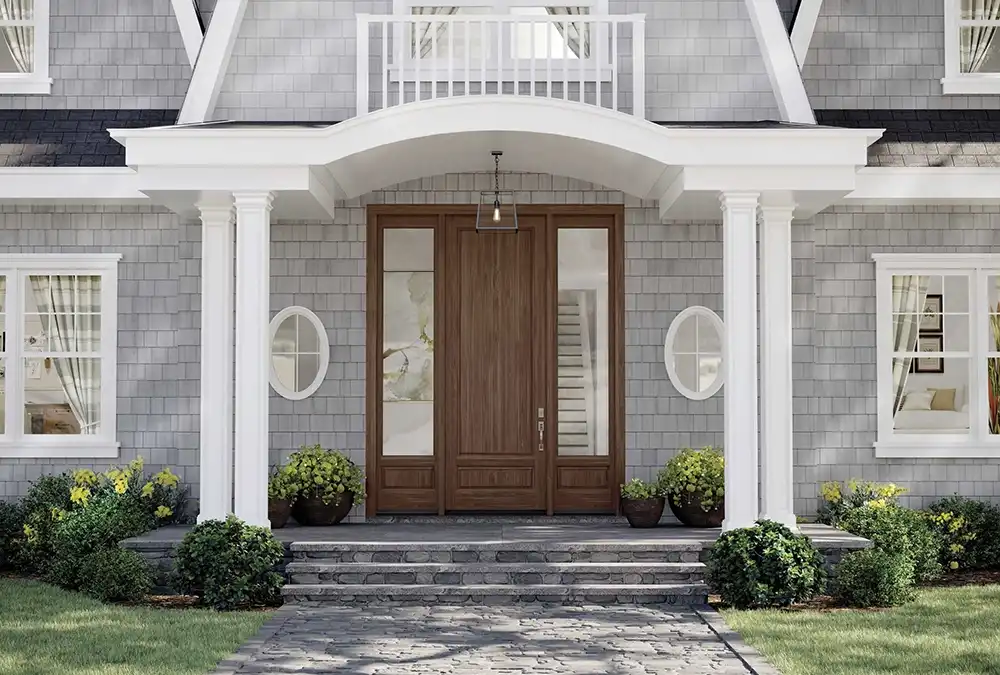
column 938, row 355
column 490, row 39
column 24, row 47
column 58, row 324
column 972, row 47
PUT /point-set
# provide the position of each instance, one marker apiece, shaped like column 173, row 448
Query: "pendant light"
column 498, row 204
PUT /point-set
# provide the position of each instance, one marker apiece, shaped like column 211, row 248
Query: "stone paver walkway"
column 530, row 639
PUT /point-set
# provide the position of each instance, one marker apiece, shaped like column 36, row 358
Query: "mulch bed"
column 968, row 578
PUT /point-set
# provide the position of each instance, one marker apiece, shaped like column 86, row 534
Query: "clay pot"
column 312, row 510
column 690, row 513
column 278, row 512
column 643, row 512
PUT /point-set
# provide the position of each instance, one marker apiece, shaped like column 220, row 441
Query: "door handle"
column 541, row 430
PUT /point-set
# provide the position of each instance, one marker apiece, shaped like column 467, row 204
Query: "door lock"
column 541, row 436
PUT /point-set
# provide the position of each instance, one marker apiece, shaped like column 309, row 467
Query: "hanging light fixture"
column 497, row 210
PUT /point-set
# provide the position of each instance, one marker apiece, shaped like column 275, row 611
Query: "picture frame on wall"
column 932, row 320
column 931, row 364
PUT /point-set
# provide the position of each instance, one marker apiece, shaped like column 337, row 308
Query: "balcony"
column 593, row 59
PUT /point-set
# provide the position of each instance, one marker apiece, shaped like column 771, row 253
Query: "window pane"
column 709, row 340
column 583, row 334
column 408, row 250
column 62, row 313
column 17, row 44
column 686, row 341
column 978, row 49
column 562, row 39
column 686, row 367
column 408, row 428
column 993, row 394
column 306, row 370
column 62, row 395
column 284, row 337
column 284, row 370
column 308, row 337
column 931, row 395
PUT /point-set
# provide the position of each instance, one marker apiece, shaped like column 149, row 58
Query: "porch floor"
column 612, row 531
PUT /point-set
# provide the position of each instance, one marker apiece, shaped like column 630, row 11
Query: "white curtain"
column 72, row 305
column 20, row 39
column 909, row 293
column 423, row 30
column 575, row 33
column 977, row 41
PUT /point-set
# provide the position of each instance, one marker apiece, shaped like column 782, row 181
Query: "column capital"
column 784, row 212
column 731, row 200
column 216, row 210
column 253, row 199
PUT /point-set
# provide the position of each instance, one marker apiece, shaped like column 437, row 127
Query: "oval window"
column 300, row 353
column 692, row 353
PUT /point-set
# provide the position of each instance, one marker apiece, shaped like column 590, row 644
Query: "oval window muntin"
column 668, row 352
column 324, row 352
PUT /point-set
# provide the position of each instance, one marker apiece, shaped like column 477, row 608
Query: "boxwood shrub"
column 114, row 574
column 874, row 577
column 899, row 530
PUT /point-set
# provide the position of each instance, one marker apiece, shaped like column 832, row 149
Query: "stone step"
column 639, row 594
column 495, row 573
column 517, row 552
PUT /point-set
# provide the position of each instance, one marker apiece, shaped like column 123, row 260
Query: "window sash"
column 36, row 80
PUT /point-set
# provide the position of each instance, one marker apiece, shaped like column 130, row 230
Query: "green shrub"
column 838, row 500
column 955, row 535
column 874, row 577
column 639, row 489
column 982, row 521
column 766, row 565
column 229, row 564
column 114, row 574
column 11, row 524
column 282, row 484
column 48, row 497
column 325, row 474
column 694, row 473
column 899, row 530
column 97, row 527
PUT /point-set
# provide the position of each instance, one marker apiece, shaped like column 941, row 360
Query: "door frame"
column 431, row 470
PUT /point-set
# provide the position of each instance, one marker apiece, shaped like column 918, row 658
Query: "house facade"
column 506, row 255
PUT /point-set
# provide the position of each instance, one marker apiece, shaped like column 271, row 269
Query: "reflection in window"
column 62, row 364
column 583, row 332
column 300, row 353
column 408, row 342
column 930, row 354
column 692, row 353
column 978, row 48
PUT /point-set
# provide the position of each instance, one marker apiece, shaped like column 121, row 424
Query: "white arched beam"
column 779, row 61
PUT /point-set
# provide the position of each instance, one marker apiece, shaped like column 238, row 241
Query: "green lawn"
column 48, row 631
column 946, row 631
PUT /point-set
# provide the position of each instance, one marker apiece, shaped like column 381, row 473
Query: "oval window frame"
column 324, row 353
column 668, row 348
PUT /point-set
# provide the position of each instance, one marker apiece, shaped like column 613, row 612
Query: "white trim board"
column 926, row 185
column 189, row 23
column 213, row 61
column 804, row 27
column 779, row 61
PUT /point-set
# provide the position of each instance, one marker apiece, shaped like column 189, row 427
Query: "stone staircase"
column 496, row 573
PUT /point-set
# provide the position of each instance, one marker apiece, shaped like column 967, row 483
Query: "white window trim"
column 103, row 445
column 324, row 353
column 955, row 82
column 440, row 70
column 977, row 443
column 39, row 81
column 668, row 351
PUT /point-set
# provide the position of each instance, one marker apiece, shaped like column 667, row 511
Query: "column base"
column 785, row 519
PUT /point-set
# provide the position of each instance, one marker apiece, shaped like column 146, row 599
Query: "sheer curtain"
column 426, row 38
column 977, row 41
column 20, row 39
column 575, row 33
column 72, row 304
column 909, row 293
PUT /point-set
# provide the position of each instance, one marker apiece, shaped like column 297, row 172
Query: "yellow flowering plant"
column 837, row 499
column 694, row 474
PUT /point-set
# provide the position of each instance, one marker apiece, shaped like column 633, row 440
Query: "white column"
column 776, row 363
column 216, row 410
column 253, row 276
column 739, row 253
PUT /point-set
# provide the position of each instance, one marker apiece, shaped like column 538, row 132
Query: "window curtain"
column 72, row 304
column 576, row 33
column 20, row 39
column 426, row 38
column 977, row 41
column 909, row 293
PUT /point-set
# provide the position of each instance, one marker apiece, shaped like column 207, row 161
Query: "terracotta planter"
column 278, row 512
column 312, row 510
column 643, row 512
column 690, row 513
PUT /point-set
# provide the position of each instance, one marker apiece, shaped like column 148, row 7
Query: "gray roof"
column 70, row 137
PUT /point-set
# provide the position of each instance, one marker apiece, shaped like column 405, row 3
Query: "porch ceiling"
column 682, row 166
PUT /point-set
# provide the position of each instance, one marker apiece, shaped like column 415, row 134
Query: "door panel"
column 496, row 366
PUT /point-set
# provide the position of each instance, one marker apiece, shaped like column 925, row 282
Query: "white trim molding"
column 804, row 27
column 323, row 341
column 779, row 61
column 189, row 24
column 213, row 61
column 972, row 389
column 38, row 80
column 669, row 344
column 926, row 185
column 15, row 442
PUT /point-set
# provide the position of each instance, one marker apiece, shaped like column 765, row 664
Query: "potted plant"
column 329, row 485
column 282, row 491
column 642, row 503
column 694, row 484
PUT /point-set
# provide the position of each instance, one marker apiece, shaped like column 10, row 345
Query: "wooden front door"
column 495, row 379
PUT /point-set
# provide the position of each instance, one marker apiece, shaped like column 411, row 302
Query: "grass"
column 47, row 631
column 946, row 631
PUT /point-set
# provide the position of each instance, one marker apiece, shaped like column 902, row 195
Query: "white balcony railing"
column 598, row 60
